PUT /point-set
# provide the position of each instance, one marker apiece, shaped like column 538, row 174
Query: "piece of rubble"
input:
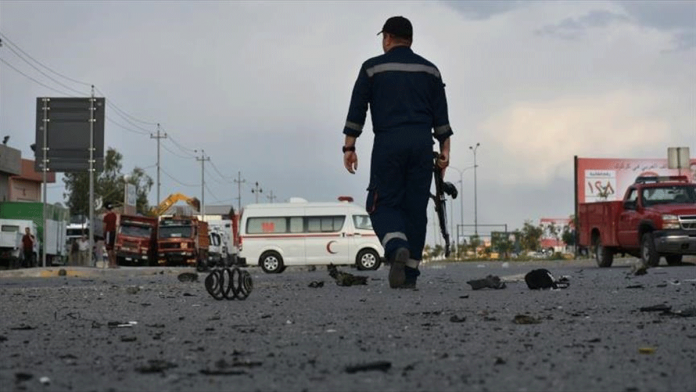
column 525, row 319
column 188, row 277
column 490, row 281
column 346, row 279
column 316, row 284
column 365, row 367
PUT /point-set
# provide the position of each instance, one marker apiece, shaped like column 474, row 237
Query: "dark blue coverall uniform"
column 408, row 106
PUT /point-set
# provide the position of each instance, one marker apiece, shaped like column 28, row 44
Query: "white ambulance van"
column 277, row 235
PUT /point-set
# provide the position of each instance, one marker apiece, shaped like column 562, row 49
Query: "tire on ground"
column 648, row 252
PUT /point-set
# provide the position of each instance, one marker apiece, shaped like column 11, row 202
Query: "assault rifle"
column 442, row 189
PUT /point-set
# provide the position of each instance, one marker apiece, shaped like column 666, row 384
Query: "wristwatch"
column 348, row 148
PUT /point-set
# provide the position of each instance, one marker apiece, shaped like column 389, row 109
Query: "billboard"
column 552, row 231
column 606, row 179
column 67, row 123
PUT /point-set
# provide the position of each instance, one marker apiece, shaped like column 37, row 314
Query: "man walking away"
column 407, row 102
column 28, row 240
column 110, row 234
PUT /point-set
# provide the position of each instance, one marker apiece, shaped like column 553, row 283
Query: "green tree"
column 530, row 236
column 437, row 251
column 109, row 186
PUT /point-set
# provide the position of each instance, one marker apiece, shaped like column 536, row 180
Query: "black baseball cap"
column 398, row 26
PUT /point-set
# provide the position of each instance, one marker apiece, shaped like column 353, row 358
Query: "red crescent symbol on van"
column 328, row 247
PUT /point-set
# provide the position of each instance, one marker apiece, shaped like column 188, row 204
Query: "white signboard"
column 600, row 185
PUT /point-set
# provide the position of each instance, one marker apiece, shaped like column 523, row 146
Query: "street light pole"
column 474, row 148
column 461, row 198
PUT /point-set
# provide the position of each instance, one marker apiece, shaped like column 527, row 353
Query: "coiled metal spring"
column 229, row 283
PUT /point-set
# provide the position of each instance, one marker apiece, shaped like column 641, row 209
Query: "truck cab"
column 183, row 240
column 657, row 218
column 136, row 240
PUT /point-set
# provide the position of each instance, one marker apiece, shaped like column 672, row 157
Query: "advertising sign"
column 606, row 179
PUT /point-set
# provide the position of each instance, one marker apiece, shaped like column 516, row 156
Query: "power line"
column 182, row 148
column 38, row 62
column 175, row 180
column 124, row 127
column 124, row 112
column 175, row 154
column 44, row 73
column 228, row 180
column 34, row 80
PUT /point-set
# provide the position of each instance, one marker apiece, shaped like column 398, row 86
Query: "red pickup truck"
column 657, row 218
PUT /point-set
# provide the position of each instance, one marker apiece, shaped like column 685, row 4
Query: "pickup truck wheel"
column 271, row 263
column 368, row 259
column 648, row 253
column 604, row 255
column 674, row 259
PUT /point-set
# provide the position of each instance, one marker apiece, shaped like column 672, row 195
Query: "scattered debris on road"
column 490, row 281
column 186, row 277
column 539, row 279
column 346, row 279
column 366, row 367
column 524, row 319
column 317, row 283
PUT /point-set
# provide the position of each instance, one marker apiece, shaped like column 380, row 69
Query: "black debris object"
column 490, row 282
column 457, row 319
column 656, row 308
column 523, row 319
column 316, row 284
column 635, row 286
column 188, row 277
column 222, row 372
column 346, row 279
column 499, row 361
column 541, row 278
column 3, row 338
column 20, row 376
column 156, row 366
column 370, row 366
column 22, row 327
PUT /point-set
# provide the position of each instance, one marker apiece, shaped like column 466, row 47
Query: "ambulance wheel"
column 271, row 263
column 368, row 259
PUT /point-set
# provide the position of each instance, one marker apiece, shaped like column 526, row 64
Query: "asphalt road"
column 143, row 329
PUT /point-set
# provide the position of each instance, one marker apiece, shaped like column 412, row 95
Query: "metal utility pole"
column 239, row 182
column 92, row 120
column 271, row 197
column 256, row 191
column 202, row 160
column 474, row 148
column 158, row 137
column 44, row 167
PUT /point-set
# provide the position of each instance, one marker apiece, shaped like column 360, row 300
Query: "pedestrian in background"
column 28, row 240
column 110, row 234
column 98, row 249
column 408, row 107
column 84, row 252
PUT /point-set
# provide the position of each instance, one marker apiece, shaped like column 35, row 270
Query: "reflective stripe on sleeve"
column 354, row 126
column 442, row 129
column 402, row 67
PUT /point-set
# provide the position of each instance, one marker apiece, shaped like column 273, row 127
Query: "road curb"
column 92, row 272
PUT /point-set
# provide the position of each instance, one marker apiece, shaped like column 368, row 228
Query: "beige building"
column 18, row 180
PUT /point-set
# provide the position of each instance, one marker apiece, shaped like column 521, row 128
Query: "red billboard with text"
column 606, row 179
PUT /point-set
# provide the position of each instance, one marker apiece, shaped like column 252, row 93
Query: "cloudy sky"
column 263, row 88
